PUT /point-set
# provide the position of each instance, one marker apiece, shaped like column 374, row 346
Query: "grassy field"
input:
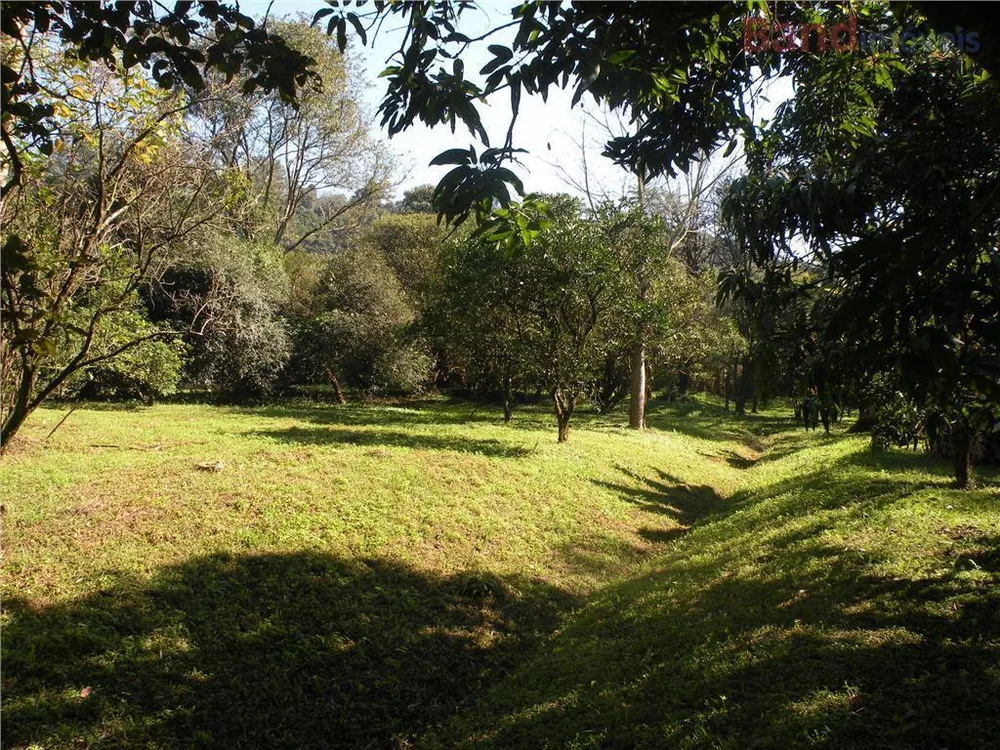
column 421, row 575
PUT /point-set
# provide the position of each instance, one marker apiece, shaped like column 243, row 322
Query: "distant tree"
column 229, row 294
column 410, row 244
column 309, row 169
column 542, row 295
column 700, row 339
column 418, row 200
column 360, row 333
column 476, row 322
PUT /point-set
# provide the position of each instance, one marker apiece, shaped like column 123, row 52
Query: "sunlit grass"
column 841, row 598
column 420, row 573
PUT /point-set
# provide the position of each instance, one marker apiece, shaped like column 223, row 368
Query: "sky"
column 559, row 139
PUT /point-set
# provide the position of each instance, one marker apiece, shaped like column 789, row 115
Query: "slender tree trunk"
column 339, row 394
column 743, row 387
column 754, row 403
column 637, row 403
column 508, row 400
column 962, row 444
column 564, row 410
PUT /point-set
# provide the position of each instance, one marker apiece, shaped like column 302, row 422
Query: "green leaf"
column 341, row 35
column 500, row 52
column 454, row 156
column 358, row 27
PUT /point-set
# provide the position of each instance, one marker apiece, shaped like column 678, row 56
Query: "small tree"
column 85, row 229
column 545, row 287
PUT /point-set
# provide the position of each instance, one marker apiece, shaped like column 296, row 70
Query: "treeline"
column 239, row 247
column 154, row 236
column 168, row 223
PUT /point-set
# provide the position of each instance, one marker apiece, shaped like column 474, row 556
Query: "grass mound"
column 421, row 574
column 839, row 599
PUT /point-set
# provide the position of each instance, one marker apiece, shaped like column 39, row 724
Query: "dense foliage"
column 207, row 209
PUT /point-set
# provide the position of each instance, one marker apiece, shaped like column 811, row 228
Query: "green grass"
column 420, row 574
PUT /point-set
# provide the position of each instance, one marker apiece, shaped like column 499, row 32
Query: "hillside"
column 421, row 574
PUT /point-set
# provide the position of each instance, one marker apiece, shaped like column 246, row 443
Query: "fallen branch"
column 61, row 422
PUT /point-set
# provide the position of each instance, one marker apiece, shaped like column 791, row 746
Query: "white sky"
column 551, row 131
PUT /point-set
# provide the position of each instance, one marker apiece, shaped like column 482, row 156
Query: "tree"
column 310, row 169
column 410, row 244
column 418, row 200
column 478, row 324
column 542, row 297
column 228, row 295
column 91, row 225
column 638, row 244
column 361, row 333
column 901, row 220
column 680, row 71
column 123, row 36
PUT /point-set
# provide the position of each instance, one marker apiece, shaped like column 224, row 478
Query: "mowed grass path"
column 421, row 574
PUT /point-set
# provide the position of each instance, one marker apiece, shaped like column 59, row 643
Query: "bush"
column 146, row 372
column 363, row 335
column 229, row 293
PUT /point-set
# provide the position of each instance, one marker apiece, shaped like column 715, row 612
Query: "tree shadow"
column 287, row 650
column 385, row 413
column 661, row 536
column 776, row 658
column 734, row 459
column 334, row 435
column 762, row 630
column 713, row 423
column 668, row 495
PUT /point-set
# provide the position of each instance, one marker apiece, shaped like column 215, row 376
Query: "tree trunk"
column 637, row 403
column 754, row 403
column 743, row 387
column 564, row 410
column 12, row 424
column 508, row 400
column 339, row 394
column 19, row 410
column 962, row 444
column 683, row 383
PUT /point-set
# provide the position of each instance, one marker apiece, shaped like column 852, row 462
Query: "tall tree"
column 311, row 169
column 902, row 218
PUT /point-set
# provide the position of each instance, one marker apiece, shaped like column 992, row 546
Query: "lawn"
column 420, row 574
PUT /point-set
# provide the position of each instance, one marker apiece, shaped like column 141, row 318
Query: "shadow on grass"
column 762, row 630
column 297, row 650
column 713, row 423
column 402, row 413
column 333, row 435
column 736, row 461
column 668, row 495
